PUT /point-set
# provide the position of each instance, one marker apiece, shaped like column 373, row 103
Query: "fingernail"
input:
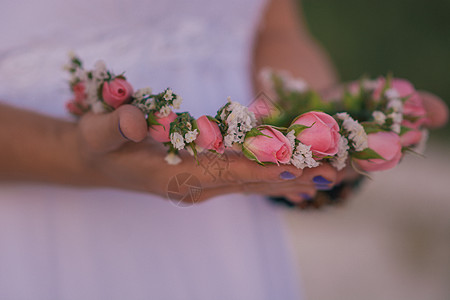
column 287, row 175
column 305, row 196
column 320, row 180
column 121, row 133
column 323, row 187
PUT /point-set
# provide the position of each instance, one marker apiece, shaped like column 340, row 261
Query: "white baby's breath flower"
column 302, row 157
column 397, row 118
column 396, row 128
column 165, row 111
column 357, row 134
column 177, row 140
column 141, row 93
column 168, row 95
column 392, row 94
column 396, row 104
column 190, row 136
column 177, row 102
column 339, row 161
column 239, row 120
column 291, row 137
column 342, row 115
column 228, row 141
column 172, row 159
column 80, row 74
column 100, row 72
column 296, row 85
column 379, row 117
column 98, row 107
column 369, row 85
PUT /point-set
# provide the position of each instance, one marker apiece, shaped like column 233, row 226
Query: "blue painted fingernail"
column 121, row 133
column 320, row 180
column 287, row 175
column 305, row 196
column 323, row 187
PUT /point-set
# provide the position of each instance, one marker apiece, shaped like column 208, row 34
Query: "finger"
column 323, row 176
column 437, row 110
column 107, row 132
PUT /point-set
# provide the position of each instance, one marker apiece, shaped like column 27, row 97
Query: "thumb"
column 107, row 132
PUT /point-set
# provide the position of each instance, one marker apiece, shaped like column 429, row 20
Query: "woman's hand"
column 115, row 148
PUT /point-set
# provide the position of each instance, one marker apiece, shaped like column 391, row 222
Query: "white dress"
column 69, row 243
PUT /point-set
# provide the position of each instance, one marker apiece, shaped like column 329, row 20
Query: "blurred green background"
column 409, row 38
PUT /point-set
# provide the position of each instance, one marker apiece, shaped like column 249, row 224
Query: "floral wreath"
column 370, row 124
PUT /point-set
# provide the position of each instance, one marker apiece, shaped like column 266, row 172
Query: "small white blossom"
column 396, row 104
column 397, row 118
column 369, row 85
column 165, row 111
column 392, row 94
column 141, row 93
column 239, row 120
column 342, row 116
column 189, row 125
column 291, row 137
column 296, row 85
column 172, row 159
column 100, row 72
column 80, row 74
column 177, row 140
column 190, row 136
column 177, row 102
column 341, row 157
column 228, row 141
column 396, row 128
column 379, row 117
column 303, row 158
column 98, row 107
column 168, row 95
column 356, row 133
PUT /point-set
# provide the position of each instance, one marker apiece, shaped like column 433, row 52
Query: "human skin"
column 118, row 154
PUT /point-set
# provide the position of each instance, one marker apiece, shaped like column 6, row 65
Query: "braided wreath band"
column 370, row 123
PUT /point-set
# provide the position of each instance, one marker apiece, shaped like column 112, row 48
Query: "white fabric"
column 63, row 243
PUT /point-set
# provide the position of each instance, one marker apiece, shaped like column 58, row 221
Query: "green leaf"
column 404, row 130
column 194, row 149
column 212, row 119
column 370, row 127
column 255, row 132
column 151, row 120
column 366, row 154
column 99, row 91
column 250, row 155
column 298, row 128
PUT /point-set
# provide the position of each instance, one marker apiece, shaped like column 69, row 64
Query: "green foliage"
column 367, row 153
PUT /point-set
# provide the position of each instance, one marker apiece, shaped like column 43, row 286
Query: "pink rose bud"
column 161, row 132
column 386, row 144
column 274, row 147
column 262, row 108
column 209, row 136
column 413, row 106
column 413, row 136
column 74, row 108
column 117, row 92
column 323, row 136
column 79, row 91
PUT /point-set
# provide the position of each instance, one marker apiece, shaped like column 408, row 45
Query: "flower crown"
column 370, row 123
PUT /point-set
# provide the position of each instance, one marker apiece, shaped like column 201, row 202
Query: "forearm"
column 283, row 43
column 40, row 148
